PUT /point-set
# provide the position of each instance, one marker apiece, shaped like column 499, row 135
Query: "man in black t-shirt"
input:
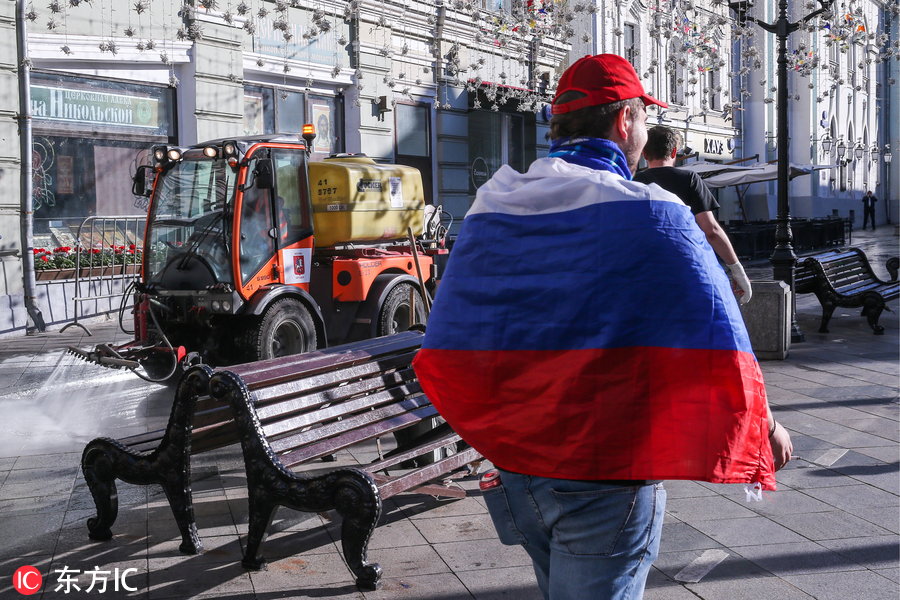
column 660, row 152
column 869, row 201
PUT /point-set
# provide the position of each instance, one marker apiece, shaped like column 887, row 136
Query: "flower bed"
column 61, row 262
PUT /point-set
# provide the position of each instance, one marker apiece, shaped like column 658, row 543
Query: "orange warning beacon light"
column 309, row 133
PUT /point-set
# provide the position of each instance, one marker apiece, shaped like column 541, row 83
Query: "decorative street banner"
column 58, row 104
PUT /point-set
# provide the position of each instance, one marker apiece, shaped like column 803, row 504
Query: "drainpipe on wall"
column 26, row 186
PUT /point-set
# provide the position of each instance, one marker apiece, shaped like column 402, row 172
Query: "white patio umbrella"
column 742, row 175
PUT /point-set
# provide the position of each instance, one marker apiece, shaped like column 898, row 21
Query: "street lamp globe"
column 841, row 149
column 873, row 153
column 858, row 151
column 887, row 154
column 827, row 143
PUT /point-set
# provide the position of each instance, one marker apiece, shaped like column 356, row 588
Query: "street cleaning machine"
column 253, row 251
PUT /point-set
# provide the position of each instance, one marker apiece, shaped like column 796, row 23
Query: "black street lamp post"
column 783, row 258
column 887, row 181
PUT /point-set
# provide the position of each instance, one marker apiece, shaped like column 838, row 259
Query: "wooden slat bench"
column 287, row 417
column 844, row 277
column 199, row 423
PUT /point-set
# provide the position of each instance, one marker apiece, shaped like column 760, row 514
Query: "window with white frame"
column 631, row 45
column 676, row 74
column 714, row 84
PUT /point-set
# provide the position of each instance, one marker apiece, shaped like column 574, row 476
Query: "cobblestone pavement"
column 830, row 531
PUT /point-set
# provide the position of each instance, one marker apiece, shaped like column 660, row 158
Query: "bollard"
column 768, row 319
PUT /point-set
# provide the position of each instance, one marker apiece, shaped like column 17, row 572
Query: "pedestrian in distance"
column 585, row 340
column 661, row 152
column 869, row 201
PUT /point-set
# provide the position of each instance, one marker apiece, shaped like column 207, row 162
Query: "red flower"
column 44, row 258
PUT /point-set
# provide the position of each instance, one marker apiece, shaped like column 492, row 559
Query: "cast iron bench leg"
column 350, row 491
column 261, row 513
column 827, row 310
column 270, row 484
column 104, row 460
column 872, row 311
column 359, row 504
column 101, row 462
column 178, row 492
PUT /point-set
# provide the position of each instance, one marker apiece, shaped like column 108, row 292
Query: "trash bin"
column 768, row 319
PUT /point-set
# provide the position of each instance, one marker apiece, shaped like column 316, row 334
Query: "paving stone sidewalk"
column 830, row 531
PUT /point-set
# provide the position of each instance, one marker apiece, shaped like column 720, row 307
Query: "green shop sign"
column 77, row 106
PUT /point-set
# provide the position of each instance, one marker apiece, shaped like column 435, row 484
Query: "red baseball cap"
column 604, row 78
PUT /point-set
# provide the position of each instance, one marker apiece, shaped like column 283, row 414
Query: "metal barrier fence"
column 756, row 240
column 109, row 261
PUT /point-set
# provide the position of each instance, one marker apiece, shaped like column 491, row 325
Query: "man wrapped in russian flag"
column 586, row 341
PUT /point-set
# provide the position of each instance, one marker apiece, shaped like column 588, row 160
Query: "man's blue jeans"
column 588, row 540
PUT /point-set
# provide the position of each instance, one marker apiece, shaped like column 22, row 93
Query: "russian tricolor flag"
column 585, row 330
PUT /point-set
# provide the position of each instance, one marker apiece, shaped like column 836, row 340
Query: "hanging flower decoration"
column 697, row 38
column 847, row 28
column 802, row 60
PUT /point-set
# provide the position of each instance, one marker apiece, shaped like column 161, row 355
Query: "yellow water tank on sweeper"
column 355, row 199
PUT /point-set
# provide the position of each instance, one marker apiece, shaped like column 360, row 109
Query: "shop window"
column 89, row 136
column 272, row 110
column 412, row 129
column 60, row 103
column 290, row 112
column 324, row 112
column 259, row 110
column 413, row 142
column 495, row 139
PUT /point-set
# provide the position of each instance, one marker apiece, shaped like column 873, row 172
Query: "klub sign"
column 713, row 146
column 718, row 146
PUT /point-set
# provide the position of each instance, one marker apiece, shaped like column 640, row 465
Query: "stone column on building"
column 10, row 242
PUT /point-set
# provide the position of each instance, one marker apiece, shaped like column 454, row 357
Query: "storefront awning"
column 719, row 176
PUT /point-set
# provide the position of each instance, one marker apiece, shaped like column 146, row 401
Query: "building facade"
column 718, row 73
column 842, row 92
column 452, row 88
column 683, row 53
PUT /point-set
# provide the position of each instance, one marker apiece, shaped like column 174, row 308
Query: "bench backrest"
column 314, row 404
column 845, row 271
